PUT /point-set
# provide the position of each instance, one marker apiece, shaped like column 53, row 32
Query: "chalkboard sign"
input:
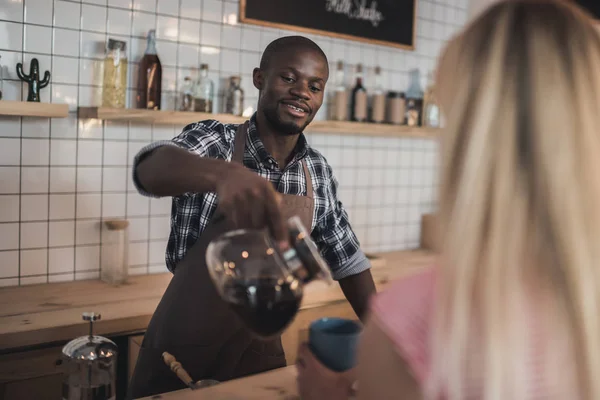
column 385, row 22
column 592, row 6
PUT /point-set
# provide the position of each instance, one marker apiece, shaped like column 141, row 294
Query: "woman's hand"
column 317, row 382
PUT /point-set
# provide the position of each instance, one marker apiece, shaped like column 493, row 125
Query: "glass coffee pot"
column 261, row 283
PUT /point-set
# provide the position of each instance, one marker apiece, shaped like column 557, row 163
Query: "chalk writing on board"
column 356, row 9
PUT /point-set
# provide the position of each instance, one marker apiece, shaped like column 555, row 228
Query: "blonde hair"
column 519, row 289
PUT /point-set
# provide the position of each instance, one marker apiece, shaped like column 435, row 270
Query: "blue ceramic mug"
column 333, row 341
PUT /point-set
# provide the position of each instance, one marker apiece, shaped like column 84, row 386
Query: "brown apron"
column 194, row 324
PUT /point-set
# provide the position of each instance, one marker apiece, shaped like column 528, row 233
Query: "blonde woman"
column 512, row 311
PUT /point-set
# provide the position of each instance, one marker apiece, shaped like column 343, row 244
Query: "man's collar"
column 257, row 149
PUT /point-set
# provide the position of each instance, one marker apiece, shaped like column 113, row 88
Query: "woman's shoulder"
column 409, row 295
column 403, row 311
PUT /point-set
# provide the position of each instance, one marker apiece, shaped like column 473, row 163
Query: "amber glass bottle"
column 149, row 85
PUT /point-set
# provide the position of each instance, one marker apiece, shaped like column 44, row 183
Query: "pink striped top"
column 404, row 311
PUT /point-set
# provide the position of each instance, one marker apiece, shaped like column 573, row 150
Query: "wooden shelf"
column 183, row 118
column 33, row 109
column 154, row 116
column 369, row 129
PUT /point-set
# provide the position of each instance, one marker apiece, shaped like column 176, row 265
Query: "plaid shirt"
column 191, row 212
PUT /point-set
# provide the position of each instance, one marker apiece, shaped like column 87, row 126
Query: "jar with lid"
column 234, row 100
column 115, row 244
column 114, row 84
column 395, row 108
column 90, row 366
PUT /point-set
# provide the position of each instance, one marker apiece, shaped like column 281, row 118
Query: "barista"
column 255, row 175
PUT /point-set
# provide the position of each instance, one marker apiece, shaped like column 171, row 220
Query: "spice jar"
column 114, row 85
column 395, row 108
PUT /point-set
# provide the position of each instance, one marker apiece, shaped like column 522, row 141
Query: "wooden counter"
column 279, row 384
column 51, row 313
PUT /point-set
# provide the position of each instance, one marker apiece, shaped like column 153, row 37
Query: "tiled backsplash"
column 59, row 178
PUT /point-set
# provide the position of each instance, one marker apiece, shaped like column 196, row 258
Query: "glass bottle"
column 414, row 99
column 114, row 84
column 359, row 101
column 204, row 91
column 339, row 108
column 234, row 100
column 431, row 109
column 378, row 108
column 149, row 85
column 187, row 96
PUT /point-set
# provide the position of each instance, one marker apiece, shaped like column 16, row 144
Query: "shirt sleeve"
column 205, row 138
column 335, row 238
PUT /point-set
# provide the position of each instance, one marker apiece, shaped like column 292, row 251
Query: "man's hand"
column 250, row 201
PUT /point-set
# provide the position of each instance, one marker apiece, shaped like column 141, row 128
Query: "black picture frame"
column 382, row 22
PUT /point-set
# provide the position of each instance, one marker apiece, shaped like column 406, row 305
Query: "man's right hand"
column 250, row 201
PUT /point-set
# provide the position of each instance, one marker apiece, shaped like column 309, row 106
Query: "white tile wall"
column 60, row 178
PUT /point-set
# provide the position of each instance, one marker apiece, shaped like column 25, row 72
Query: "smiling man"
column 253, row 175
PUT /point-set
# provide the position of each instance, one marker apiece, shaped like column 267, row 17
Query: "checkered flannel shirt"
column 191, row 212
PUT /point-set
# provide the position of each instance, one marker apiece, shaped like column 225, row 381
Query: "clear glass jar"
column 115, row 244
column 114, row 84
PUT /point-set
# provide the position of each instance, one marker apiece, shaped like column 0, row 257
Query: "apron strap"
column 239, row 146
column 239, row 143
column 309, row 186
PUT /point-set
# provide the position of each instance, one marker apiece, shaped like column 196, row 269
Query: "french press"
column 90, row 366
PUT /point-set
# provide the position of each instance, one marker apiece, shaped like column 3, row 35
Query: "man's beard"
column 282, row 127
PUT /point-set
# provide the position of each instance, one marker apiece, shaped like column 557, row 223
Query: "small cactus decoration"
column 33, row 79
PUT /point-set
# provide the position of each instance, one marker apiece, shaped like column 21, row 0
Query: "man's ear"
column 258, row 78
